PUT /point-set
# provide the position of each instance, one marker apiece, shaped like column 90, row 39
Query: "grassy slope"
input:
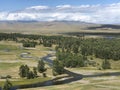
column 50, row 27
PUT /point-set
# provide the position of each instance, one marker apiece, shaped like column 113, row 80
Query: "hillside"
column 55, row 27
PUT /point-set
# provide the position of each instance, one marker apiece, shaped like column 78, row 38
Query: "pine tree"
column 35, row 71
column 7, row 85
column 106, row 64
column 58, row 68
column 23, row 70
column 41, row 66
column 30, row 75
column 26, row 70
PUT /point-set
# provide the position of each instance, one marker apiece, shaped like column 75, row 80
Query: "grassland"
column 10, row 61
column 16, row 82
column 55, row 27
column 109, row 80
column 89, row 83
column 85, row 84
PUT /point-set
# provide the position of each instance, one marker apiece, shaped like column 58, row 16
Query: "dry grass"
column 98, row 83
column 50, row 27
column 9, row 69
column 10, row 60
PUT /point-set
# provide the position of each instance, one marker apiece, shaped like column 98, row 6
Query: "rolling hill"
column 55, row 27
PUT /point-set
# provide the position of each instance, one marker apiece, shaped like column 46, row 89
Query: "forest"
column 71, row 51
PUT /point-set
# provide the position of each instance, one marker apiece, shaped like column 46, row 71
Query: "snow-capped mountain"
column 84, row 13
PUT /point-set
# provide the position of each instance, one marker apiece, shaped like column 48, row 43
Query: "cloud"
column 107, row 14
column 64, row 6
column 88, row 13
column 38, row 7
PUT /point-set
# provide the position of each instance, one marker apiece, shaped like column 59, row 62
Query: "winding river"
column 72, row 77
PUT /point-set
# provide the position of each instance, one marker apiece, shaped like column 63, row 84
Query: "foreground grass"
column 8, row 65
column 26, row 81
column 86, row 84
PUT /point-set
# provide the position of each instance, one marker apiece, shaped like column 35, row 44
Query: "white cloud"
column 64, row 6
column 107, row 14
column 38, row 7
column 87, row 13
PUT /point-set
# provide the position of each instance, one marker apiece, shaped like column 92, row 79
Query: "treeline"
column 71, row 60
column 30, row 40
column 73, row 52
column 70, row 50
column 102, row 48
column 105, row 34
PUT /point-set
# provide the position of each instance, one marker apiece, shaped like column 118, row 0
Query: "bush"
column 106, row 64
column 7, row 85
column 44, row 75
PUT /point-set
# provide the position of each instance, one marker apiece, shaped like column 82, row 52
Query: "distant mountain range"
column 55, row 27
column 62, row 19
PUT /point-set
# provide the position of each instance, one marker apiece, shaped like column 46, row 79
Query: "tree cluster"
column 58, row 67
column 24, row 71
column 71, row 60
column 29, row 44
column 41, row 66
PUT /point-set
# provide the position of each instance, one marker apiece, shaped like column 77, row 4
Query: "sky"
column 12, row 5
column 92, row 11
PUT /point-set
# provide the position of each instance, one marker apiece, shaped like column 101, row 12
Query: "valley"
column 60, row 45
column 79, row 61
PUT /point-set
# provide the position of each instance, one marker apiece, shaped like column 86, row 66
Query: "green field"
column 16, row 82
column 89, row 83
column 10, row 60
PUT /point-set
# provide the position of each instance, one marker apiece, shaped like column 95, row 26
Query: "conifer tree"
column 7, row 85
column 106, row 64
column 41, row 66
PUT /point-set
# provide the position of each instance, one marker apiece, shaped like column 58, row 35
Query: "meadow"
column 11, row 57
column 10, row 61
